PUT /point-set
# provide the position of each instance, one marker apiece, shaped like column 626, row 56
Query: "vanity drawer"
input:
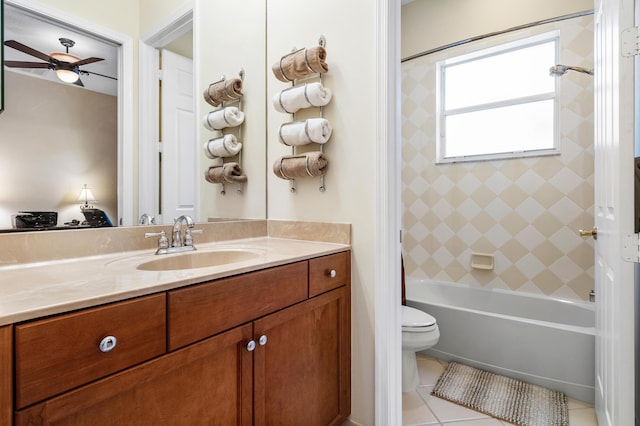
column 328, row 272
column 62, row 352
column 206, row 309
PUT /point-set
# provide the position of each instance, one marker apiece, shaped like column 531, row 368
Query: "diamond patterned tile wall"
column 526, row 212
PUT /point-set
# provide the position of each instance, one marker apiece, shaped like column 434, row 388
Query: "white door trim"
column 613, row 213
column 175, row 25
column 125, row 98
column 148, row 167
column 388, row 337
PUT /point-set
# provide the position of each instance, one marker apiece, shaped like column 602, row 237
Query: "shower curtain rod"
column 508, row 30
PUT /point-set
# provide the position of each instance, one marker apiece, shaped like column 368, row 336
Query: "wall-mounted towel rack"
column 295, row 67
column 227, row 93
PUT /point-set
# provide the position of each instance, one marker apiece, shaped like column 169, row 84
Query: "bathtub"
column 545, row 341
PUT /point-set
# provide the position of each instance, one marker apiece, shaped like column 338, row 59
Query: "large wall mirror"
column 58, row 137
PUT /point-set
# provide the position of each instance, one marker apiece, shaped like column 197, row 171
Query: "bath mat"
column 501, row 397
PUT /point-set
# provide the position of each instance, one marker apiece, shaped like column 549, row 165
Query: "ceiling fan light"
column 68, row 76
column 64, row 57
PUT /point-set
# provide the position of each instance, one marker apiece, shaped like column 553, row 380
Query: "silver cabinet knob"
column 251, row 345
column 332, row 273
column 108, row 343
column 262, row 340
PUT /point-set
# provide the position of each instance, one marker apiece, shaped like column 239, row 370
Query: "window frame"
column 442, row 113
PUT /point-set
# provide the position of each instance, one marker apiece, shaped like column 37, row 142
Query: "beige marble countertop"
column 32, row 290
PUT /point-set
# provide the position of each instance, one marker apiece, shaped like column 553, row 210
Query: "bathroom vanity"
column 265, row 343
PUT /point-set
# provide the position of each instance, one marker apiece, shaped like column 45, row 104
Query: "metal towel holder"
column 224, row 104
column 322, row 41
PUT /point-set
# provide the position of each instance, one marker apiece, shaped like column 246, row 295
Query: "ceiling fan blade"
column 26, row 49
column 21, row 64
column 86, row 61
column 78, row 82
column 84, row 72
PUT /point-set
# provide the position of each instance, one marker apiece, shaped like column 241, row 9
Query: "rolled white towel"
column 225, row 146
column 303, row 96
column 316, row 130
column 223, row 118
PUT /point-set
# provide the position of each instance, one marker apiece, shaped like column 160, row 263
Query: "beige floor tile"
column 574, row 403
column 429, row 370
column 477, row 422
column 447, row 411
column 415, row 412
column 583, row 417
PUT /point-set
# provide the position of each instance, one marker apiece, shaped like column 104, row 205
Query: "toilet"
column 419, row 332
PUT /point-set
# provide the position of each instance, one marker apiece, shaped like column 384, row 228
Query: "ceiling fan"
column 66, row 65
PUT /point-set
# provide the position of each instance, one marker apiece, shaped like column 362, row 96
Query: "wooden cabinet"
column 206, row 383
column 302, row 374
column 59, row 353
column 260, row 348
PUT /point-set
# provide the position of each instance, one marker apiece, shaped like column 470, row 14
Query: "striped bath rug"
column 501, row 397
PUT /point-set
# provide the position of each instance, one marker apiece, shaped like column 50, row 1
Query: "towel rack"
column 322, row 41
column 223, row 104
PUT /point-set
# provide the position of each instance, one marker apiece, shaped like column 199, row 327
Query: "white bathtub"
column 545, row 341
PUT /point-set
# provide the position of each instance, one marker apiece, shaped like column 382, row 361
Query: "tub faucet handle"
column 593, row 232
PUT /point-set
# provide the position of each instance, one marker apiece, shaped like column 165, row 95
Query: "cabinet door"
column 302, row 374
column 206, row 383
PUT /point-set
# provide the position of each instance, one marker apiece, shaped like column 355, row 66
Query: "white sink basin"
column 197, row 259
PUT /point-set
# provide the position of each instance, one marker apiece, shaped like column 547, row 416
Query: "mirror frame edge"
column 1, row 56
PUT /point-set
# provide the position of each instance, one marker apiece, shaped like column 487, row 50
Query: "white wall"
column 350, row 31
column 223, row 49
column 118, row 15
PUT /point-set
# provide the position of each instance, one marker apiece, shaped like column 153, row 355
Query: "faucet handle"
column 163, row 242
column 188, row 238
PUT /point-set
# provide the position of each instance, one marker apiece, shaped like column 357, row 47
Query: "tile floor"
column 421, row 408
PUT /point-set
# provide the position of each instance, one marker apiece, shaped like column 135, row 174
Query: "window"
column 499, row 102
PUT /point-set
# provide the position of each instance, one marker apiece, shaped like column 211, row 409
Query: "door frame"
column 388, row 322
column 174, row 26
column 125, row 98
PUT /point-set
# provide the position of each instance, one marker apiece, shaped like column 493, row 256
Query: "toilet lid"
column 415, row 318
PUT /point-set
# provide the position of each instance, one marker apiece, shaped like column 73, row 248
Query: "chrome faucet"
column 176, row 239
column 146, row 219
column 178, row 243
